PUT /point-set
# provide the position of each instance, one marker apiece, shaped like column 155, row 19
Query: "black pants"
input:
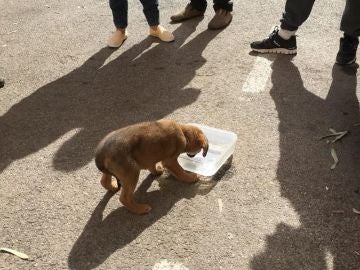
column 218, row 4
column 119, row 10
column 297, row 12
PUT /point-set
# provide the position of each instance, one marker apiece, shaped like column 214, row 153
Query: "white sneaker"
column 117, row 39
column 162, row 34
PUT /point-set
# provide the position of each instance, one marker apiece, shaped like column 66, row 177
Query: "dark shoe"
column 221, row 19
column 188, row 13
column 275, row 44
column 347, row 50
column 2, row 82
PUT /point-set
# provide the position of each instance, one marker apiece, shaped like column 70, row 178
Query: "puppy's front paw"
column 190, row 178
column 141, row 209
column 194, row 177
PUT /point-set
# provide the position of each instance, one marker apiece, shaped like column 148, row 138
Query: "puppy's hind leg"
column 129, row 178
column 108, row 183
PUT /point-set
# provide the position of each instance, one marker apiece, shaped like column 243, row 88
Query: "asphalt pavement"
column 279, row 205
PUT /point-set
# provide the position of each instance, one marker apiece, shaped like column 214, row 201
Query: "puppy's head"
column 195, row 141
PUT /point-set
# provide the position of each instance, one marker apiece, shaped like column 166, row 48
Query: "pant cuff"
column 352, row 36
column 199, row 5
column 286, row 26
column 226, row 5
column 120, row 25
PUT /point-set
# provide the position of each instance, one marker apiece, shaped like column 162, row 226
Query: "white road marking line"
column 258, row 76
column 329, row 258
column 165, row 265
column 220, row 205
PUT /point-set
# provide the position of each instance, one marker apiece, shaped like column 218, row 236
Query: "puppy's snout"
column 205, row 146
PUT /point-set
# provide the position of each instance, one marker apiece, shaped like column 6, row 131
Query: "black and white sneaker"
column 275, row 44
column 347, row 50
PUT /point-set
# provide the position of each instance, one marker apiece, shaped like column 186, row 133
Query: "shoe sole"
column 115, row 47
column 186, row 18
column 168, row 41
column 277, row 50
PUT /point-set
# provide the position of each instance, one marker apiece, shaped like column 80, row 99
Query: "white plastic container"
column 221, row 147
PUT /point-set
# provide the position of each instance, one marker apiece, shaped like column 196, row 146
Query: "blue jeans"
column 119, row 10
column 297, row 12
column 218, row 4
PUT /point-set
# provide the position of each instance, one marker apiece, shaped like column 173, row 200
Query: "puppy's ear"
column 204, row 145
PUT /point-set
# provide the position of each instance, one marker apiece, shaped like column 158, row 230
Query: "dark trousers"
column 119, row 10
column 297, row 12
column 218, row 4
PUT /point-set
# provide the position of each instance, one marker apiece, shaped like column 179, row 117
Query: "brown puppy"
column 124, row 152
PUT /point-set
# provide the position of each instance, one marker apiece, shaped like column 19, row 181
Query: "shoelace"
column 274, row 32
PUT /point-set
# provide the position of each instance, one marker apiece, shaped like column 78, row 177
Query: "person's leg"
column 350, row 22
column 119, row 10
column 350, row 25
column 199, row 5
column 223, row 16
column 296, row 13
column 283, row 40
column 223, row 4
column 151, row 11
column 195, row 8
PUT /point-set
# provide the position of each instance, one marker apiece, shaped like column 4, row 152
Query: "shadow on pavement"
column 323, row 198
column 144, row 83
column 101, row 237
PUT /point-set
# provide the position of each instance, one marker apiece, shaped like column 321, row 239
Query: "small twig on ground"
column 344, row 133
column 338, row 211
column 332, row 135
column 220, row 205
column 334, row 156
column 15, row 252
column 332, row 130
column 338, row 136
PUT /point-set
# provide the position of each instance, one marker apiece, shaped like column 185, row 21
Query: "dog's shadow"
column 101, row 237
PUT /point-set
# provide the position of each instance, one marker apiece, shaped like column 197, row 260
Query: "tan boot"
column 161, row 33
column 188, row 13
column 221, row 19
column 117, row 38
